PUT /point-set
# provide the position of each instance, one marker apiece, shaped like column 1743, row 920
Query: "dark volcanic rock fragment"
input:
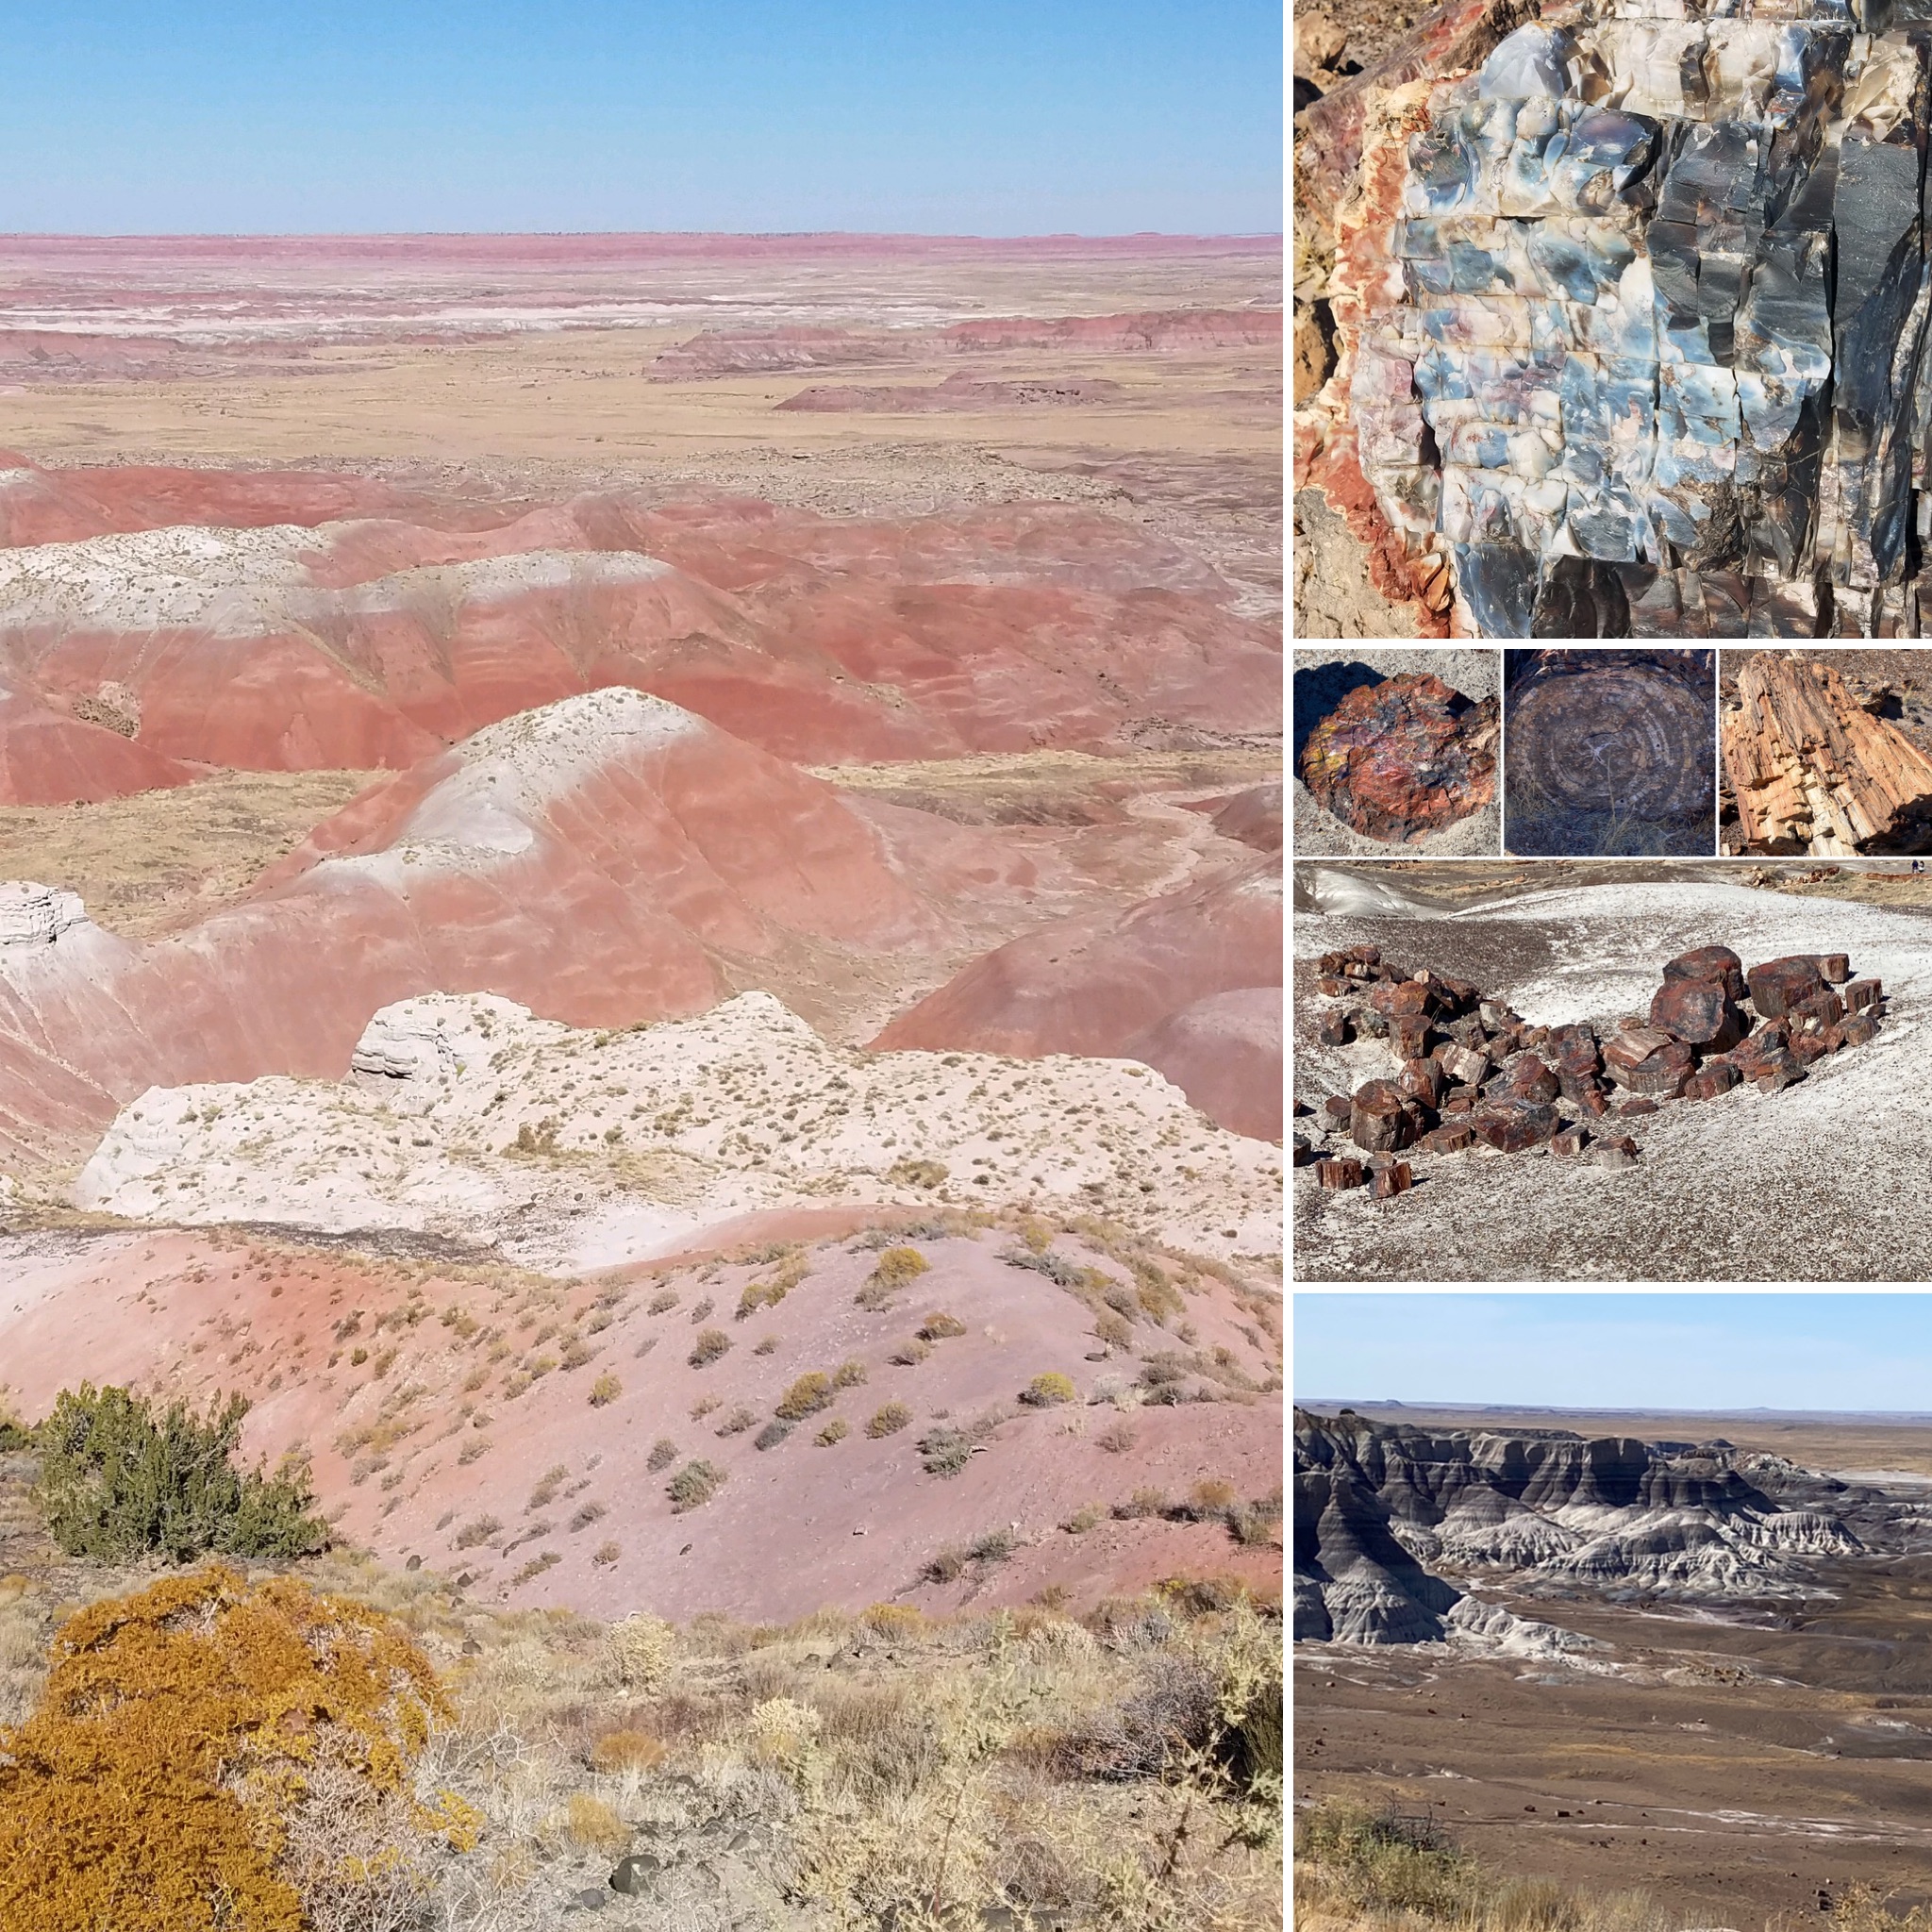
column 1404, row 758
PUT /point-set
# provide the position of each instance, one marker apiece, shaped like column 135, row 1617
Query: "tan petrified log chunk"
column 1335, row 1176
column 1810, row 769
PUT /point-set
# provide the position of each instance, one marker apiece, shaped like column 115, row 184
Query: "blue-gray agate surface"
column 1648, row 356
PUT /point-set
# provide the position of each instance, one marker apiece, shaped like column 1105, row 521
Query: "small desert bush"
column 627, row 1750
column 607, row 1553
column 945, row 1451
column 694, row 1485
column 642, row 1650
column 1117, row 1438
column 1211, row 1497
column 812, row 1392
column 834, row 1431
column 770, row 1435
column 1083, row 1519
column 594, row 1826
column 663, row 1454
column 702, row 1310
column 588, row 1514
column 706, row 1405
column 479, row 1530
column 740, row 1420
column 1048, row 1390
column 848, row 1374
column 888, row 1419
column 909, row 1353
column 604, row 1390
column 119, row 1482
column 1113, row 1330
column 710, row 1345
column 918, row 1173
column 211, row 1753
column 895, row 1269
column 548, row 1484
column 662, row 1301
column 941, row 1326
column 768, row 1346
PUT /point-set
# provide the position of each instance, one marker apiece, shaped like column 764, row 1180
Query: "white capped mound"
column 239, row 581
column 466, row 1117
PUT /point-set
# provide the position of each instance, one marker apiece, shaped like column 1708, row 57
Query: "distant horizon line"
column 1273, row 235
column 1358, row 1403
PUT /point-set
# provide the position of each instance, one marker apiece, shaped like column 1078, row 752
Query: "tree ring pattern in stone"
column 1622, row 739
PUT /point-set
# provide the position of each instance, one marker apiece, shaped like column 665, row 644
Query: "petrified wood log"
column 1404, row 758
column 1861, row 994
column 1422, row 1079
column 1528, row 1079
column 1660, row 1077
column 1569, row 1142
column 1781, row 983
column 1305, row 1156
column 1405, row 998
column 1699, row 1011
column 1612, row 1154
column 1409, row 1036
column 1452, row 1137
column 1334, row 1176
column 1709, row 962
column 1334, row 1030
column 1812, row 771
column 1834, row 968
column 1338, row 1106
column 1632, row 1046
column 1819, row 1009
column 1712, row 1078
column 1514, row 1126
column 1861, row 1028
column 1396, row 1178
column 1380, row 1120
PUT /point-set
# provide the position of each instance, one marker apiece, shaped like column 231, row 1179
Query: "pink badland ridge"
column 1006, row 628
column 651, row 869
column 794, row 1528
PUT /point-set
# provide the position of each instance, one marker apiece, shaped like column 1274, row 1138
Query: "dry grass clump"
column 710, row 1345
column 887, row 1419
column 1388, row 1868
column 810, row 1393
column 834, row 1431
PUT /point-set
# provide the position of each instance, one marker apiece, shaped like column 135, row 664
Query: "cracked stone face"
column 1641, row 315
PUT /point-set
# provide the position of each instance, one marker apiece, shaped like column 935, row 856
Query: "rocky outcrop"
column 1403, row 758
column 1380, row 1509
column 1813, row 771
column 581, row 1149
column 1630, row 321
column 35, row 915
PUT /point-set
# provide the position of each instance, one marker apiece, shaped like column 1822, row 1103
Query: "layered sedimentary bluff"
column 1380, row 1509
column 1813, row 770
column 1475, row 1078
column 1631, row 321
column 1403, row 758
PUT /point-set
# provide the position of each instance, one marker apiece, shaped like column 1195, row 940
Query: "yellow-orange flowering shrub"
column 211, row 1754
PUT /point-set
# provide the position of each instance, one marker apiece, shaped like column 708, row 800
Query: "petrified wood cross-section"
column 1404, row 757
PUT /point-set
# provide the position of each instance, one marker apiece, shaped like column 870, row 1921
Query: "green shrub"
column 116, row 1483
column 696, row 1483
column 807, row 1397
column 1045, row 1392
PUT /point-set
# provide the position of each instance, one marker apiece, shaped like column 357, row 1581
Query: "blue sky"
column 996, row 117
column 1619, row 1351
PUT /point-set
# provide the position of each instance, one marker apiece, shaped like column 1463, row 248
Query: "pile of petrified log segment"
column 1471, row 1075
column 1813, row 771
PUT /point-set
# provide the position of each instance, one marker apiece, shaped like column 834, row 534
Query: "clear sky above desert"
column 998, row 118
column 1628, row 1350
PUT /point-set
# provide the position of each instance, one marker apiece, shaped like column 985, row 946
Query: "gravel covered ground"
column 1825, row 1181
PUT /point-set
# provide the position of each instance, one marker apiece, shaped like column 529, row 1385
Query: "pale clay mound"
column 238, row 581
column 1825, row 1181
column 635, row 1141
